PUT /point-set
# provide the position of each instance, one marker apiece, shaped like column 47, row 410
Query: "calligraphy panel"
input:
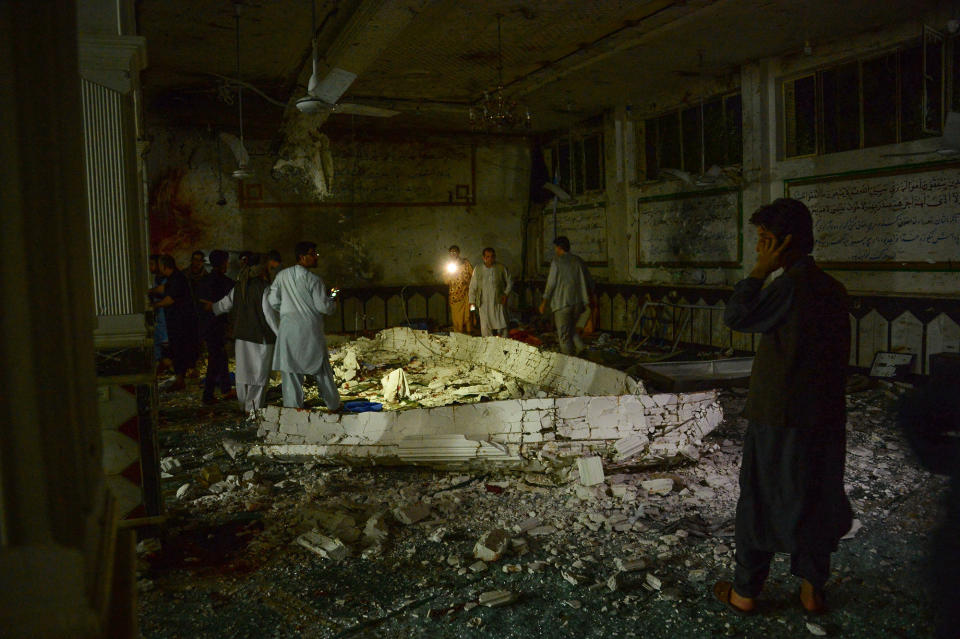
column 698, row 228
column 586, row 228
column 906, row 217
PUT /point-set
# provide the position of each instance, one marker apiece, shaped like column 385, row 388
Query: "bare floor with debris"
column 626, row 558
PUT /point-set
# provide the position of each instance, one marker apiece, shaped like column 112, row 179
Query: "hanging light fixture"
column 496, row 111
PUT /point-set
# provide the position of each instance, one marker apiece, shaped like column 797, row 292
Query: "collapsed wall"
column 604, row 413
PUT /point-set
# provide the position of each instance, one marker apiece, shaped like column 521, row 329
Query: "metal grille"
column 105, row 149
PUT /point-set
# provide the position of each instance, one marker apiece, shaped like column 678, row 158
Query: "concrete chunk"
column 490, row 547
column 411, row 513
column 591, row 470
column 233, row 447
column 658, row 486
column 525, row 525
column 328, row 547
column 494, row 598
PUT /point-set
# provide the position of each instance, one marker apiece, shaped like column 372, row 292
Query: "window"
column 896, row 96
column 577, row 157
column 695, row 138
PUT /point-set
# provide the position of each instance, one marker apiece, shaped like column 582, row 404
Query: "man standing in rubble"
column 568, row 292
column 489, row 287
column 457, row 276
column 255, row 330
column 301, row 348
column 791, row 477
column 213, row 328
column 181, row 320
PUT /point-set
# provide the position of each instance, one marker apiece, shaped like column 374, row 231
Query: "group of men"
column 274, row 318
column 485, row 289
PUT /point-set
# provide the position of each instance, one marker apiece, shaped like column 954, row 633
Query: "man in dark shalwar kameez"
column 791, row 477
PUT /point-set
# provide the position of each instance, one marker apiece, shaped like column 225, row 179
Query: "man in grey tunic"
column 791, row 475
column 568, row 292
column 489, row 288
column 301, row 348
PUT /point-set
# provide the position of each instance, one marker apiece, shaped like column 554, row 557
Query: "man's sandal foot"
column 807, row 592
column 722, row 590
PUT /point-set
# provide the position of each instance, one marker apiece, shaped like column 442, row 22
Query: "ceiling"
column 431, row 59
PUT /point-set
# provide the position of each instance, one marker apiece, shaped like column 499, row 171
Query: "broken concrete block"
column 438, row 534
column 328, row 547
column 494, row 598
column 525, row 525
column 509, row 568
column 816, row 629
column 219, row 487
column 478, row 566
column 541, row 531
column 591, row 470
column 184, row 490
column 171, row 465
column 697, row 576
column 490, row 547
column 233, row 447
column 572, row 577
column 411, row 513
column 587, row 493
column 653, row 581
column 660, row 486
column 614, row 582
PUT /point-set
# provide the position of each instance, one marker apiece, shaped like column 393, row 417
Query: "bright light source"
column 452, row 267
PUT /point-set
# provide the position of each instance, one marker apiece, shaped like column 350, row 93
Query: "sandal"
column 722, row 591
column 819, row 599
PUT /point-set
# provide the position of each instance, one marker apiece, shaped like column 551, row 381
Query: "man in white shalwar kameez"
column 302, row 301
column 255, row 326
column 489, row 288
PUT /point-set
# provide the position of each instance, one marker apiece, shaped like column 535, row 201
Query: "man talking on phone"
column 791, row 476
column 302, row 300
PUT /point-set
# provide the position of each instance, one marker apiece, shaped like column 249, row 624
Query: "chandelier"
column 496, row 111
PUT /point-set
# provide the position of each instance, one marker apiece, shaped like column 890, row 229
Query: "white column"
column 110, row 64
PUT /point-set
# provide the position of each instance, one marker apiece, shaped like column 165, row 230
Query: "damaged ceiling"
column 432, row 59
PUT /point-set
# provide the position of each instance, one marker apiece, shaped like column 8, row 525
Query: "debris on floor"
column 264, row 546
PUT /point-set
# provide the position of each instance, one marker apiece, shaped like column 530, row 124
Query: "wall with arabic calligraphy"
column 700, row 228
column 890, row 218
column 585, row 226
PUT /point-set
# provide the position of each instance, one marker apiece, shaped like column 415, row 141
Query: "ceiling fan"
column 322, row 94
column 949, row 141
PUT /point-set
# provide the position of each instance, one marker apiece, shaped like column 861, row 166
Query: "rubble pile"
column 451, row 404
column 615, row 546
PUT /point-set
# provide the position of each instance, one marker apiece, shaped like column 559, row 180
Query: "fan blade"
column 558, row 192
column 334, row 85
column 363, row 109
column 240, row 153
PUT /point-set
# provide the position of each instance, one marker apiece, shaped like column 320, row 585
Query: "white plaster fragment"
column 591, row 470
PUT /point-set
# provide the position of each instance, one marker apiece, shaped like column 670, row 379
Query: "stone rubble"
column 458, row 401
column 639, row 533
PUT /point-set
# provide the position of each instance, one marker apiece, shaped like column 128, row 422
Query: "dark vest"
column 799, row 372
column 249, row 323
